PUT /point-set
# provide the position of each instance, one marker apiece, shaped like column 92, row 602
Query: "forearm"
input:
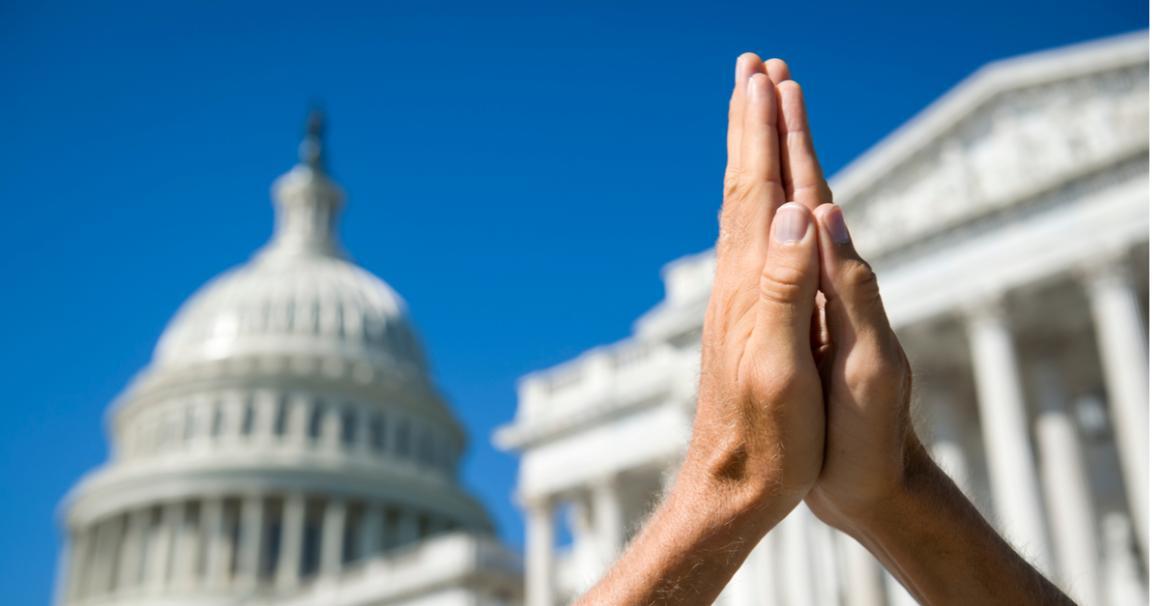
column 686, row 553
column 938, row 545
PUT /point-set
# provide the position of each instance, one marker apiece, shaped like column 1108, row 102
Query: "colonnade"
column 238, row 543
column 264, row 419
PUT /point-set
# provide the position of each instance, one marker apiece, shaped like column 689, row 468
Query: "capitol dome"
column 286, row 431
column 316, row 303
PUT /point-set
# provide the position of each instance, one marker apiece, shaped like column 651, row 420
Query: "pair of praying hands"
column 804, row 395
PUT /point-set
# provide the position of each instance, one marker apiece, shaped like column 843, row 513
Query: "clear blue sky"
column 518, row 172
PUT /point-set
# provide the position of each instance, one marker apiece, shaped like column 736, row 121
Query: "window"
column 314, row 428
column 403, row 438
column 216, row 423
column 378, row 433
column 188, row 424
column 281, row 411
column 248, row 416
column 426, row 448
column 349, row 424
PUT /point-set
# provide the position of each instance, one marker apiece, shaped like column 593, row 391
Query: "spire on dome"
column 310, row 150
column 307, row 202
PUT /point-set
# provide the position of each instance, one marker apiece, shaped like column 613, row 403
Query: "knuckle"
column 877, row 376
column 735, row 185
column 783, row 284
column 771, row 383
column 861, row 281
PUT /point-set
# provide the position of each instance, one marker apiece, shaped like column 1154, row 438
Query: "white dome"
column 299, row 295
column 301, row 304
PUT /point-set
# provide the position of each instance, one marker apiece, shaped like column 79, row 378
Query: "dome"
column 299, row 294
column 308, row 304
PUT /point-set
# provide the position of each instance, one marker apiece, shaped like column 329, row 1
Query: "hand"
column 759, row 429
column 870, row 442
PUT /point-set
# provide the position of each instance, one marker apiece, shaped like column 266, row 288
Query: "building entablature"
column 113, row 489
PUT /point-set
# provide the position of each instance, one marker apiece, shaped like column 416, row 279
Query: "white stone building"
column 285, row 446
column 1008, row 224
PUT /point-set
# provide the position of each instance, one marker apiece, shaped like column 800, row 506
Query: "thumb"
column 853, row 306
column 789, row 281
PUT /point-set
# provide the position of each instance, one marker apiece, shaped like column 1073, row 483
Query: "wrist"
column 755, row 505
column 907, row 497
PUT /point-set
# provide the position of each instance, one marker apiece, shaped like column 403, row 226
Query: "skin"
column 804, row 395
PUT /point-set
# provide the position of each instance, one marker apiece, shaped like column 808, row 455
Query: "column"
column 764, row 558
column 185, row 548
column 217, row 542
column 863, row 575
column 79, row 561
column 290, row 548
column 587, row 560
column 1123, row 587
column 362, row 430
column 897, row 594
column 794, row 557
column 608, row 513
column 101, row 571
column 233, row 413
column 160, row 556
column 1070, row 508
column 370, row 534
column 946, row 432
column 751, row 584
column 297, row 420
column 1123, row 349
column 407, row 531
column 252, row 524
column 329, row 437
column 203, row 412
column 265, row 410
column 825, row 569
column 1014, row 483
column 132, row 550
column 539, row 550
column 333, row 529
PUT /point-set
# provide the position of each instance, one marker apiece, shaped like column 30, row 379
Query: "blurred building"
column 1008, row 224
column 285, row 446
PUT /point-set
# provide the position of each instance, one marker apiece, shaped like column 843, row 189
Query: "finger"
column 777, row 70
column 854, row 308
column 789, row 283
column 804, row 181
column 747, row 65
column 757, row 189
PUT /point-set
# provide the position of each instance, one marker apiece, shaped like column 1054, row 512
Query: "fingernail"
column 836, row 225
column 790, row 223
column 744, row 68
